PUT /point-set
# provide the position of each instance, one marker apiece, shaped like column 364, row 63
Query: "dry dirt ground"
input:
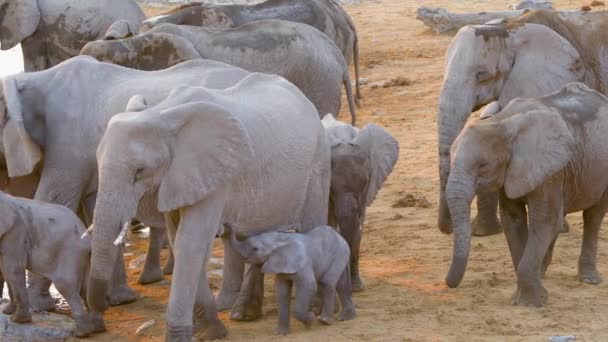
column 404, row 256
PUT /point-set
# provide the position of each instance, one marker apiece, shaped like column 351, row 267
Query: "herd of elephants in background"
column 219, row 121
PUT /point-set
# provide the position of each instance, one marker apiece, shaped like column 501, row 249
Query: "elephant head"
column 278, row 252
column 18, row 20
column 486, row 63
column 194, row 14
column 516, row 150
column 181, row 150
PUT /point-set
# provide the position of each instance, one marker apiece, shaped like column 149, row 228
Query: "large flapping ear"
column 21, row 152
column 338, row 131
column 542, row 145
column 383, row 151
column 120, row 29
column 287, row 257
column 209, row 147
column 20, row 20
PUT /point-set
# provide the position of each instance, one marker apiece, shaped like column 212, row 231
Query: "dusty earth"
column 404, row 256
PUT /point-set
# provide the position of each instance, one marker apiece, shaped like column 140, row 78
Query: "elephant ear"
column 209, row 147
column 542, row 145
column 288, row 257
column 21, row 152
column 20, row 20
column 383, row 151
column 120, row 29
column 137, row 103
column 540, row 54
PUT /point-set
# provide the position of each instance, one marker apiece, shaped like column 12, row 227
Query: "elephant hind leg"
column 152, row 271
column 592, row 221
column 248, row 305
column 345, row 294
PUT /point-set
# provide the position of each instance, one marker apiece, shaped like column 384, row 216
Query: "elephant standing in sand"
column 325, row 15
column 51, row 31
column 530, row 56
column 207, row 157
column 547, row 158
column 298, row 52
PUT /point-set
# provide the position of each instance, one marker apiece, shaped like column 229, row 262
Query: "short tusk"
column 123, row 233
column 87, row 232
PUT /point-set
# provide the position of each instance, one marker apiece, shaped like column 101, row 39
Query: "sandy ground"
column 404, row 256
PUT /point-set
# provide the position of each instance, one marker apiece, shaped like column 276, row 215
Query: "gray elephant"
column 546, row 153
column 325, row 15
column 361, row 160
column 298, row 52
column 318, row 257
column 207, row 157
column 54, row 120
column 51, row 31
column 30, row 232
column 530, row 56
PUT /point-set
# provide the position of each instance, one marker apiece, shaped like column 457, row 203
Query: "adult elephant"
column 51, row 31
column 298, row 52
column 325, row 15
column 532, row 55
column 54, row 119
column 208, row 157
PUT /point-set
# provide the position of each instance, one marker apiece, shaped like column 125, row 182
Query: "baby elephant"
column 46, row 240
column 318, row 257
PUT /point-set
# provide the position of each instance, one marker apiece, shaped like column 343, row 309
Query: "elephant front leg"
column 248, row 305
column 232, row 278
column 152, row 271
column 205, row 311
column 14, row 274
column 592, row 220
column 486, row 223
column 514, row 219
column 306, row 287
column 283, row 295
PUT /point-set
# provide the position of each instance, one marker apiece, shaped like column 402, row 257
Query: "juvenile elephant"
column 207, row 157
column 53, row 121
column 361, row 160
column 530, row 56
column 316, row 258
column 326, row 16
column 546, row 153
column 51, row 31
column 298, row 52
column 30, row 232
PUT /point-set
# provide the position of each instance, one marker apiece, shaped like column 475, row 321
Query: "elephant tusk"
column 87, row 232
column 123, row 233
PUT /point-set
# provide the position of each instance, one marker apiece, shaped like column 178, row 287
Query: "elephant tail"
column 358, row 97
column 349, row 96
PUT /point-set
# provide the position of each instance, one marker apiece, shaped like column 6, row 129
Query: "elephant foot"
column 306, row 319
column 591, row 277
column 10, row 308
column 21, row 316
column 168, row 268
column 41, row 302
column 325, row 319
column 357, row 284
column 178, row 334
column 150, row 275
column 121, row 295
column 99, row 325
column 215, row 331
column 84, row 327
column 281, row 331
column 534, row 297
column 486, row 226
column 348, row 314
column 246, row 310
column 225, row 300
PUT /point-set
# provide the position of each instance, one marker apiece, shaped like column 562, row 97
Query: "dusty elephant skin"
column 530, row 56
column 361, row 160
column 210, row 156
column 298, row 52
column 52, row 31
column 326, row 16
column 40, row 116
column 31, row 232
column 546, row 153
column 314, row 260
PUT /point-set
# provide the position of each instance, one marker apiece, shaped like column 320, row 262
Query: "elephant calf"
column 548, row 153
column 46, row 240
column 318, row 257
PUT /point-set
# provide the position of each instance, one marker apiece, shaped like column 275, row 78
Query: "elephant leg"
column 548, row 256
column 232, row 279
column 152, row 271
column 486, row 223
column 592, row 220
column 248, row 305
column 514, row 219
column 38, row 292
column 306, row 287
column 192, row 246
column 14, row 274
column 120, row 293
column 345, row 294
column 328, row 292
column 11, row 307
column 283, row 295
column 70, row 292
column 168, row 268
column 205, row 311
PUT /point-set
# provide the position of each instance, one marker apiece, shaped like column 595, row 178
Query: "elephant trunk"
column 455, row 105
column 347, row 215
column 460, row 191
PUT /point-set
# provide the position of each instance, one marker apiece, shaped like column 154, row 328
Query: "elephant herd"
column 219, row 121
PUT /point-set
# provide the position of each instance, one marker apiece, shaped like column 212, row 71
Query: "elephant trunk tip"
column 97, row 290
column 456, row 272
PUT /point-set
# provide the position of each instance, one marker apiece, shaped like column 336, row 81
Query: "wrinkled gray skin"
column 316, row 258
column 361, row 160
column 325, row 15
column 546, row 153
column 51, row 31
column 30, row 232
column 298, row 52
column 206, row 157
column 487, row 63
column 62, row 112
